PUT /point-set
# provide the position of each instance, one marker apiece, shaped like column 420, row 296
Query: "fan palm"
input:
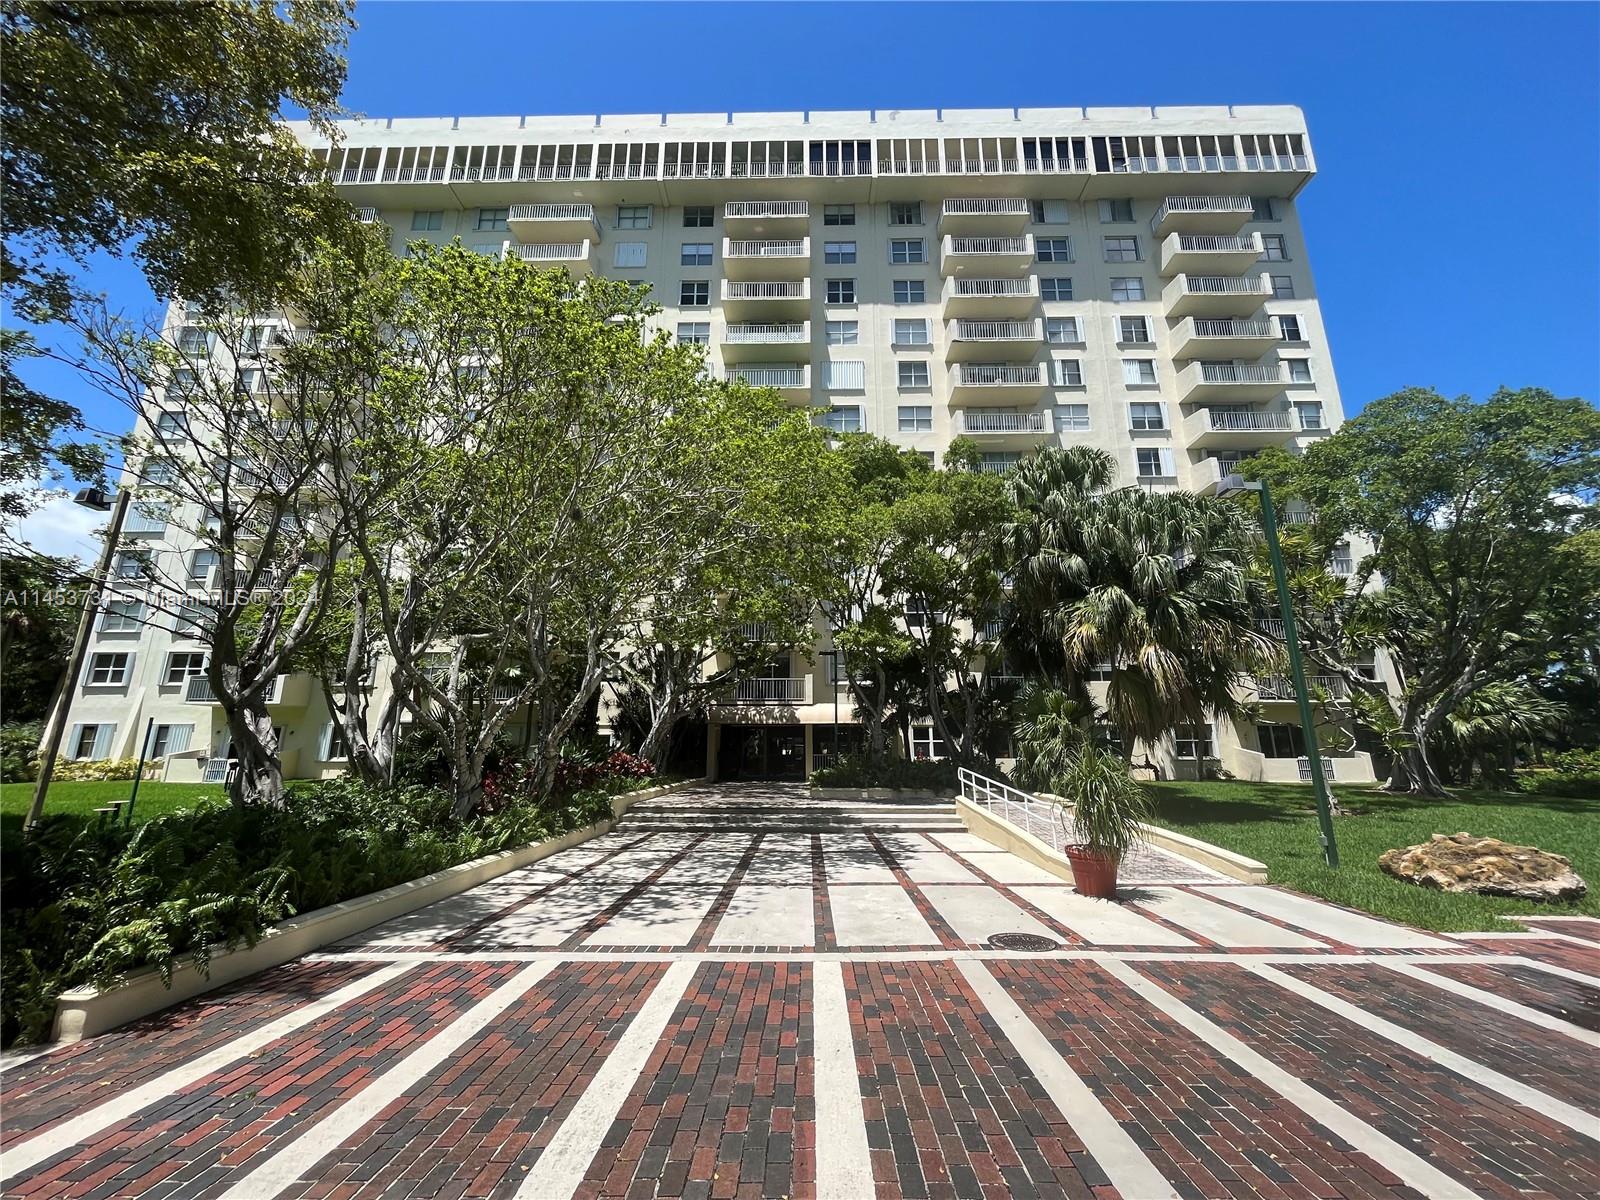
column 1154, row 584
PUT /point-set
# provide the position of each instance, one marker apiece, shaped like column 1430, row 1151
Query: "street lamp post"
column 93, row 498
column 1234, row 485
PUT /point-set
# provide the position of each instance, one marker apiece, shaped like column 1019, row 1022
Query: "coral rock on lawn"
column 1463, row 863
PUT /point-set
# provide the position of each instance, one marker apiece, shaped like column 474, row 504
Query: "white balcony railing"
column 554, row 252
column 773, row 377
column 786, row 248
column 1281, row 687
column 1219, row 243
column 774, row 691
column 197, row 690
column 996, row 374
column 1226, row 285
column 552, row 212
column 1224, row 327
column 995, row 331
column 788, row 289
column 1242, row 373
column 960, row 288
column 987, row 206
column 1251, row 422
column 989, row 245
column 765, row 209
column 978, row 421
column 366, row 215
column 751, row 333
column 1218, row 205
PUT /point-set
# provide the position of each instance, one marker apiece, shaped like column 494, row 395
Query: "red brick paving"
column 1207, row 1125
column 1557, row 953
column 1500, row 1148
column 1542, row 990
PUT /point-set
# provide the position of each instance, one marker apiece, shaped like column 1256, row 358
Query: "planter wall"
column 84, row 1012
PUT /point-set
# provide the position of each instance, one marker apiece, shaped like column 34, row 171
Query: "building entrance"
column 762, row 752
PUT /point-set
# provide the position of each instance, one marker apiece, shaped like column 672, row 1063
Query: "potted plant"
column 1107, row 805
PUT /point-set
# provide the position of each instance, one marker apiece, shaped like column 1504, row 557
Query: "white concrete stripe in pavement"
column 74, row 1131
column 1223, row 925
column 844, row 1163
column 869, row 914
column 1548, row 968
column 1488, row 999
column 559, row 1170
column 661, row 915
column 1103, row 922
column 1132, row 1173
column 1570, row 1115
column 978, row 913
column 1410, row 1167
column 301, row 1155
column 1325, row 920
column 763, row 915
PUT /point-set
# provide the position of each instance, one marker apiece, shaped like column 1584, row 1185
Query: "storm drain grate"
column 1023, row 941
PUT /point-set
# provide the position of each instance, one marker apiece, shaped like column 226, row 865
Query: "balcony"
column 996, row 383
column 574, row 256
column 367, row 216
column 547, row 223
column 771, row 298
column 1209, row 253
column 792, row 380
column 763, row 217
column 795, row 690
column 1210, row 337
column 991, row 298
column 1243, row 431
column 198, row 691
column 1275, row 688
column 1216, row 295
column 986, row 255
column 788, row 258
column 989, row 214
column 968, row 339
column 753, row 339
column 987, row 426
column 1233, row 382
column 1201, row 214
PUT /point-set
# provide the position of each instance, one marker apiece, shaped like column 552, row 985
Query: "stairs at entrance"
column 785, row 807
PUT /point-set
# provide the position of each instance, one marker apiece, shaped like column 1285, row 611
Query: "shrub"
column 1572, row 773
column 1107, row 802
column 861, row 771
column 99, row 769
column 19, row 751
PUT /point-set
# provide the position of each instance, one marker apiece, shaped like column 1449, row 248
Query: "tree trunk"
column 258, row 776
column 1413, row 774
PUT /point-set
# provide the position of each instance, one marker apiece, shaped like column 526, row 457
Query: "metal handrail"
column 1043, row 819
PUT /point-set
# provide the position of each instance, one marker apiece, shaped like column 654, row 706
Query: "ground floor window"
column 1281, row 741
column 1195, row 741
column 334, row 746
column 170, row 739
column 926, row 743
column 91, row 741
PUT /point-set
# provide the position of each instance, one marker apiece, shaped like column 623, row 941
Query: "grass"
column 1277, row 824
column 80, row 799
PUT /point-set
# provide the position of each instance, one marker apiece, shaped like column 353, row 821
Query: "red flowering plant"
column 619, row 771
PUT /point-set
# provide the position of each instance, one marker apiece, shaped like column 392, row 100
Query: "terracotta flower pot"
column 1094, row 872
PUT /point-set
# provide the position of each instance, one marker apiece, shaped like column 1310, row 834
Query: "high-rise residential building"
column 1128, row 278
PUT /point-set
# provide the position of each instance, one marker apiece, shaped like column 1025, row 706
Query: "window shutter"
column 127, row 674
column 72, row 740
column 629, row 254
column 1165, row 424
column 102, row 740
column 1105, row 212
column 178, row 738
column 847, row 375
column 1167, row 468
column 326, row 743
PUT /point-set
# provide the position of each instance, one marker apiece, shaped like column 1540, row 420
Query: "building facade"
column 1131, row 279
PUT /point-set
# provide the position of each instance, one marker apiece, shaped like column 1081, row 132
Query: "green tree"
column 36, row 630
column 1472, row 510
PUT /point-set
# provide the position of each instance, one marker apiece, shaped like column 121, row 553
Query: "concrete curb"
column 1024, row 845
column 85, row 1012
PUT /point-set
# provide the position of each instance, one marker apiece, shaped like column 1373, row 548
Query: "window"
column 925, row 743
column 1299, row 370
column 189, row 621
column 91, row 741
column 1116, row 212
column 910, row 291
column 907, row 250
column 1289, row 329
column 633, row 216
column 843, row 333
column 926, row 456
column 911, row 331
column 694, row 254
column 108, row 670
column 1283, row 287
column 841, row 291
column 492, row 218
column 1275, row 250
column 1133, row 330
column 1147, row 416
column 694, row 333
column 200, row 564
column 998, row 462
column 694, row 293
column 1138, row 372
column 122, row 616
column 848, row 375
column 838, row 252
column 838, row 214
column 1072, row 418
column 842, row 420
column 171, row 424
column 1281, row 741
column 1154, row 462
column 1127, row 287
column 1194, row 741
column 918, row 614
column 1310, row 414
column 915, row 418
column 1059, row 288
column 914, row 374
column 260, row 337
column 193, row 341
column 698, row 216
column 184, row 665
column 427, row 222
column 1054, row 249
column 170, row 739
column 1065, row 372
column 1048, row 212
column 247, row 381
column 629, row 254
column 334, row 746
column 133, row 564
column 1262, row 209
column 905, row 214
column 184, row 380
column 1340, row 562
column 1122, row 249
column 1062, row 331
column 488, row 249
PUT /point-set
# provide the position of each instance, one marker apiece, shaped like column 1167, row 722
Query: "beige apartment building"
column 1129, row 278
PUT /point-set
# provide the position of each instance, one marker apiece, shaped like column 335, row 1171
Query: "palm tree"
column 1485, row 731
column 1153, row 587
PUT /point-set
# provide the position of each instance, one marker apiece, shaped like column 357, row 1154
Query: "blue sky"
column 1440, row 130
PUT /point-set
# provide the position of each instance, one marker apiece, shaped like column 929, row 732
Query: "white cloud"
column 61, row 528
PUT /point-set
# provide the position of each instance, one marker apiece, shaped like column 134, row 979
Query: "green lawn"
column 1277, row 824
column 81, row 799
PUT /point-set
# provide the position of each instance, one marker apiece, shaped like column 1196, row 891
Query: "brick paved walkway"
column 742, row 993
